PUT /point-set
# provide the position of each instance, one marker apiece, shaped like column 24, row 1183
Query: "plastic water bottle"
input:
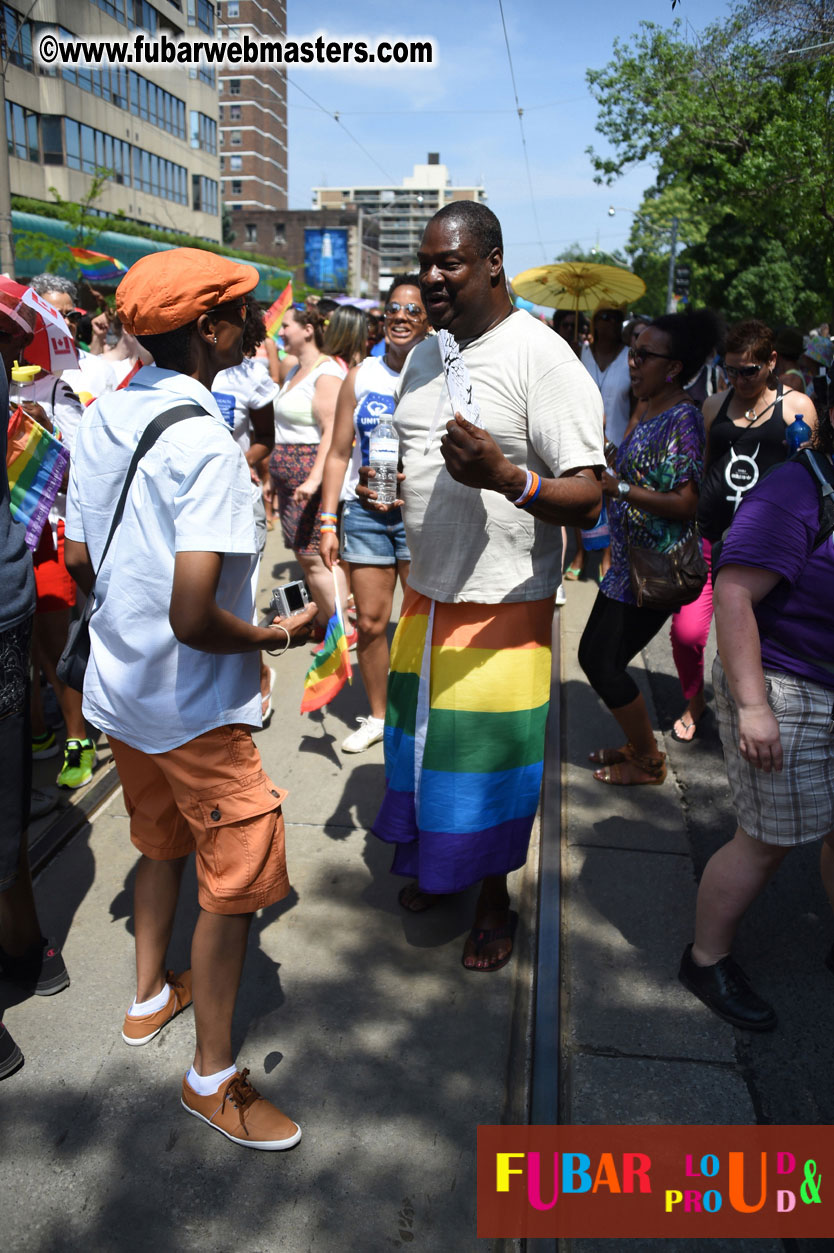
column 22, row 377
column 797, row 433
column 384, row 455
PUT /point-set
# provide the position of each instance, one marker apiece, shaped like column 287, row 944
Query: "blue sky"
column 463, row 108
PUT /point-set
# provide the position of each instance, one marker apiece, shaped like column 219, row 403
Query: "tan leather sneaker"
column 142, row 1029
column 242, row 1115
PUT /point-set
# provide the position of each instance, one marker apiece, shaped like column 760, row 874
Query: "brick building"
column 156, row 132
column 253, row 130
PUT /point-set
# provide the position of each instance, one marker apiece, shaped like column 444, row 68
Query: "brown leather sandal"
column 620, row 773
column 612, row 756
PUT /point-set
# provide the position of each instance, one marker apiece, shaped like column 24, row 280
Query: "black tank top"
column 738, row 457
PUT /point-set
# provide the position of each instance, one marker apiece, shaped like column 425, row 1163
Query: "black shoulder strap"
column 148, row 438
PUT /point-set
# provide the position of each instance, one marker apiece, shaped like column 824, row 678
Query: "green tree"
column 740, row 123
column 53, row 253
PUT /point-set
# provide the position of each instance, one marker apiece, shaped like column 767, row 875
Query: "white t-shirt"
column 247, row 386
column 294, row 421
column 92, row 379
column 615, row 384
column 373, row 387
column 191, row 493
column 542, row 409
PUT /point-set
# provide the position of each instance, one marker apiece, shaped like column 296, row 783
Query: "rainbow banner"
column 96, row 267
column 36, row 463
column 274, row 316
column 331, row 669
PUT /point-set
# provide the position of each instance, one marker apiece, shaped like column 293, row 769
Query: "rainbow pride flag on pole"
column 36, row 463
column 331, row 669
column 96, row 267
column 274, row 316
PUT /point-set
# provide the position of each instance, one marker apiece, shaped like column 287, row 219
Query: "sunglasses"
column 412, row 311
column 743, row 371
column 608, row 315
column 641, row 355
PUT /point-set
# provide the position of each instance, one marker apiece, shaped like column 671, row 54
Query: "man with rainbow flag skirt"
column 469, row 682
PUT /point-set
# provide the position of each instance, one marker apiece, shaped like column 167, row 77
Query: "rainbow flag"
column 37, row 463
column 96, row 267
column 331, row 669
column 468, row 696
column 274, row 316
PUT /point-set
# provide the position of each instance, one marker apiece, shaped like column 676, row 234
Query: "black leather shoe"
column 10, row 1055
column 724, row 989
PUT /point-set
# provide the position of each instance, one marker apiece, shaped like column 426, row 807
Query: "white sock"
column 376, row 723
column 139, row 1008
column 207, row 1085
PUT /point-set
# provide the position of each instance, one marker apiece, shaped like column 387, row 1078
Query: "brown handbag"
column 666, row 581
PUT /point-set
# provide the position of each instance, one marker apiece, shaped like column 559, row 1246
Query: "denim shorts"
column 372, row 539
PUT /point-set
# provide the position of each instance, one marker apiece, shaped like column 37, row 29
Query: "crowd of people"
column 205, row 432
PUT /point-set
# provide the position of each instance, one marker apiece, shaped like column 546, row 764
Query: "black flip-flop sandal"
column 481, row 938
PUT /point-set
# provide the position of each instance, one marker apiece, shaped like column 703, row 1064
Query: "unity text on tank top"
column 738, row 457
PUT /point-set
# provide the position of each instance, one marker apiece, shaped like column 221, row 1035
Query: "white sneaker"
column 371, row 731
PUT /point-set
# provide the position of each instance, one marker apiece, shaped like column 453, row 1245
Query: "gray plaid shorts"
column 796, row 804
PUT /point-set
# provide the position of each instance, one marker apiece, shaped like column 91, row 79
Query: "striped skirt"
column 468, row 695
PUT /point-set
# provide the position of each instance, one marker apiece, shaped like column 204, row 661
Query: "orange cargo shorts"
column 210, row 795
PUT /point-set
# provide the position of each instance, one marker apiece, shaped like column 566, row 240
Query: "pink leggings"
column 689, row 634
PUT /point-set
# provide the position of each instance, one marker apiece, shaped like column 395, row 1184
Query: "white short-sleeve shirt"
column 544, row 412
column 246, row 386
column 614, row 382
column 191, row 493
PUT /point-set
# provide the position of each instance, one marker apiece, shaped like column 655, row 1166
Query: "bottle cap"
column 24, row 373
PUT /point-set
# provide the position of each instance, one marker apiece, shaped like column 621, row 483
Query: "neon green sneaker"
column 44, row 745
column 79, row 759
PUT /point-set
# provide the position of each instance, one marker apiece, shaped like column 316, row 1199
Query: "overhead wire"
column 520, row 112
column 337, row 119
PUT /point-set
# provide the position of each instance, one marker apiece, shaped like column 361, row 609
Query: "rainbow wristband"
column 328, row 529
column 530, row 499
column 531, row 490
column 327, row 517
column 526, row 489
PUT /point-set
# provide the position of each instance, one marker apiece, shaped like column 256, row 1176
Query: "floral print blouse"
column 660, row 453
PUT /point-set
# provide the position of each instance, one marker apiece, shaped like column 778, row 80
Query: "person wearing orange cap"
column 173, row 671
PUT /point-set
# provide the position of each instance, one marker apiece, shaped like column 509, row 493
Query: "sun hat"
column 819, row 348
column 166, row 290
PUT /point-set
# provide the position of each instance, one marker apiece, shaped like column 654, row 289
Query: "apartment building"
column 401, row 211
column 253, row 130
column 156, row 130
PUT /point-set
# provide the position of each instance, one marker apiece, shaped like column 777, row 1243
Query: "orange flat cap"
column 166, row 290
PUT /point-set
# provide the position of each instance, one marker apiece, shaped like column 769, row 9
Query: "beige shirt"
column 544, row 411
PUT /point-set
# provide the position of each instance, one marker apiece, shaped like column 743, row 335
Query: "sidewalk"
column 636, row 1046
column 361, row 1022
column 355, row 1017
